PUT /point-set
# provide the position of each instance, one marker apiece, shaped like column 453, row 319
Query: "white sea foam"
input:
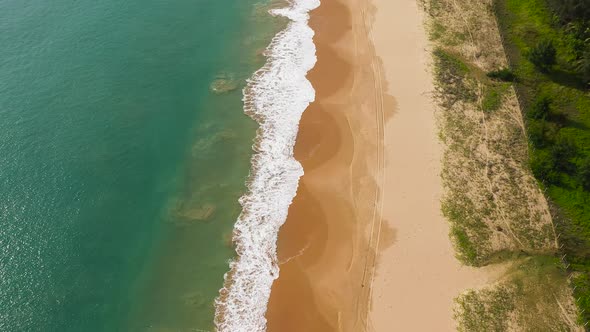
column 276, row 96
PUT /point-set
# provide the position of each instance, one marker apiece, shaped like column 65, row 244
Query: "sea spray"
column 276, row 96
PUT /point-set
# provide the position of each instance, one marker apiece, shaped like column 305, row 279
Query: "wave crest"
column 276, row 96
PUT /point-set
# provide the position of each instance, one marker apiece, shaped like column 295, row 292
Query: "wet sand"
column 324, row 251
column 371, row 188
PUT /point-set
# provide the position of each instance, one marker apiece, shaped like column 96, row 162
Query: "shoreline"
column 325, row 253
column 275, row 96
column 368, row 200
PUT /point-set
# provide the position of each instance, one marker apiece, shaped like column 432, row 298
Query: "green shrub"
column 451, row 73
column 563, row 151
column 538, row 133
column 543, row 55
column 541, row 108
column 467, row 251
column 572, row 10
column 581, row 283
column 544, row 168
column 584, row 66
column 503, row 74
column 492, row 100
column 584, row 173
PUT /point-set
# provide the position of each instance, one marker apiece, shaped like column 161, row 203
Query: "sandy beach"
column 418, row 276
column 365, row 246
column 325, row 256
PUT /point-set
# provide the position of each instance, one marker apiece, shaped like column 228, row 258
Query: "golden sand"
column 371, row 154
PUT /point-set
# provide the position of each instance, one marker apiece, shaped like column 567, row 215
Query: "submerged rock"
column 194, row 299
column 182, row 215
column 223, row 83
column 202, row 213
column 205, row 144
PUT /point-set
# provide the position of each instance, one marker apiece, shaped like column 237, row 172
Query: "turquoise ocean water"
column 123, row 152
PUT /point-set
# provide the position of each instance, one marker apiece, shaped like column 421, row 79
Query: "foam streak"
column 276, row 96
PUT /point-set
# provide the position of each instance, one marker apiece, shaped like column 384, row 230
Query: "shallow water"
column 120, row 163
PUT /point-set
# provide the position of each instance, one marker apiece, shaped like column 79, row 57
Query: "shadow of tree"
column 567, row 78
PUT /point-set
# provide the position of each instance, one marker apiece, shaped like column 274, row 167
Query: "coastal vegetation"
column 492, row 200
column 497, row 208
column 528, row 298
column 548, row 46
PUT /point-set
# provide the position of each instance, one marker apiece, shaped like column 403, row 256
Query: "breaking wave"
column 276, row 96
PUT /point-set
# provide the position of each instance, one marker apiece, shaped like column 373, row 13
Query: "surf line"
column 276, row 96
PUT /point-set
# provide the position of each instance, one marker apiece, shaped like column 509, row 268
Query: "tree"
column 538, row 133
column 543, row 167
column 543, row 55
column 573, row 10
column 584, row 173
column 563, row 151
column 503, row 74
column 541, row 108
column 584, row 66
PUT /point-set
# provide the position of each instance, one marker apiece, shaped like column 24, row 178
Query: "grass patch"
column 526, row 298
column 451, row 77
column 486, row 310
column 437, row 31
column 488, row 210
column 466, row 250
column 496, row 209
column 493, row 95
column 581, row 287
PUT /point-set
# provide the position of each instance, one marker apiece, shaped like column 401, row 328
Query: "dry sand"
column 418, row 276
column 371, row 156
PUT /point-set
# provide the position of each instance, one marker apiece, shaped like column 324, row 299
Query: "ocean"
column 123, row 151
